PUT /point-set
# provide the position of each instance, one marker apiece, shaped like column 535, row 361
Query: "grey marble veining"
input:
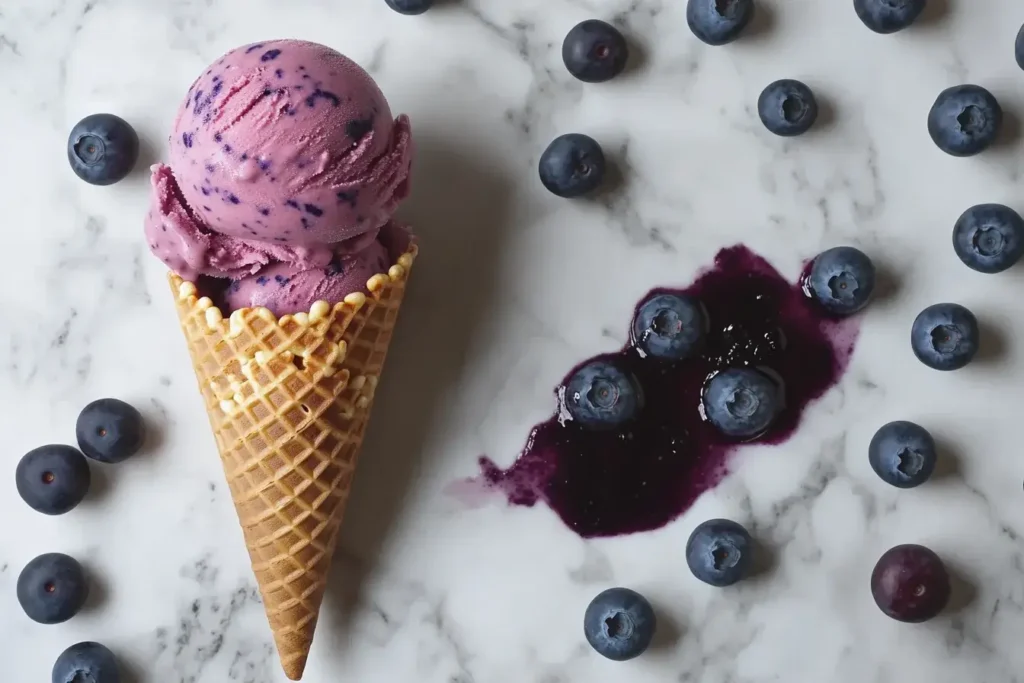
column 426, row 587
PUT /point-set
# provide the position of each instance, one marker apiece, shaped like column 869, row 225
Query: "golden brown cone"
column 288, row 401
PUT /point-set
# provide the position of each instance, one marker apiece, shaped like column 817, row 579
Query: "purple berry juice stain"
column 648, row 472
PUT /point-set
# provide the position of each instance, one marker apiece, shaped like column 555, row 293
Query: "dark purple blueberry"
column 888, row 16
column 742, row 402
column 841, row 280
column 86, row 663
column 52, row 588
column 572, row 165
column 600, row 395
column 902, row 454
column 595, row 51
column 945, row 336
column 53, row 479
column 989, row 238
column 410, row 7
column 720, row 552
column 787, row 108
column 669, row 326
column 1018, row 47
column 619, row 624
column 965, row 120
column 910, row 584
column 102, row 149
column 717, row 22
column 110, row 430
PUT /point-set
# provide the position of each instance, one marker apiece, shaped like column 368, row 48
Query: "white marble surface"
column 426, row 590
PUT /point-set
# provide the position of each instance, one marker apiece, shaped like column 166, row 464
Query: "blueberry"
column 841, row 280
column 902, row 454
column 964, row 120
column 888, row 16
column 619, row 624
column 102, row 149
column 572, row 165
column 86, row 663
column 787, row 108
column 52, row 479
column 595, row 51
column 742, row 402
column 910, row 584
column 989, row 238
column 52, row 588
column 718, row 22
column 410, row 7
column 109, row 430
column 945, row 336
column 1019, row 47
column 600, row 395
column 719, row 552
column 669, row 326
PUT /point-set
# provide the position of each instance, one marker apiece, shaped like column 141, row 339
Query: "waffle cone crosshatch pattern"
column 289, row 400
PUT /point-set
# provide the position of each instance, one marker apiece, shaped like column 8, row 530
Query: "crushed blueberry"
column 253, row 48
column 279, row 73
column 319, row 94
column 292, row 203
column 262, row 280
column 186, row 139
column 232, row 198
column 227, row 148
column 282, row 280
column 358, row 129
column 264, row 165
column 313, row 209
column 348, row 197
column 264, row 211
column 270, row 55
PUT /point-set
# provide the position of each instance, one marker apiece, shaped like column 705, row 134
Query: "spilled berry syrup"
column 648, row 472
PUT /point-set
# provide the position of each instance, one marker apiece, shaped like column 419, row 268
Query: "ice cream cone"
column 288, row 401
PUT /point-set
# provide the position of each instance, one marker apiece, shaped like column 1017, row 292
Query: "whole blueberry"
column 669, row 326
column 572, row 165
column 717, row 22
column 742, row 402
column 719, row 552
column 52, row 588
column 601, row 395
column 787, row 108
column 888, row 16
column 410, row 7
column 619, row 624
column 902, row 454
column 52, row 479
column 102, row 149
column 910, row 584
column 1019, row 47
column 86, row 663
column 989, row 238
column 595, row 51
column 841, row 280
column 945, row 336
column 964, row 120
column 110, row 430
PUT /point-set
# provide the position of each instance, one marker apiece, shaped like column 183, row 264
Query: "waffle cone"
column 289, row 400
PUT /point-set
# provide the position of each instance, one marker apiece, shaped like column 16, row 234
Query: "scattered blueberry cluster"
column 54, row 479
column 909, row 582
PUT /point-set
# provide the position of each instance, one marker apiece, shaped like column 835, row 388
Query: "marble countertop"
column 512, row 288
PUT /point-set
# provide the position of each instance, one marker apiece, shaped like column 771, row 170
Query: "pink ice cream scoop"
column 283, row 289
column 291, row 142
column 285, row 169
